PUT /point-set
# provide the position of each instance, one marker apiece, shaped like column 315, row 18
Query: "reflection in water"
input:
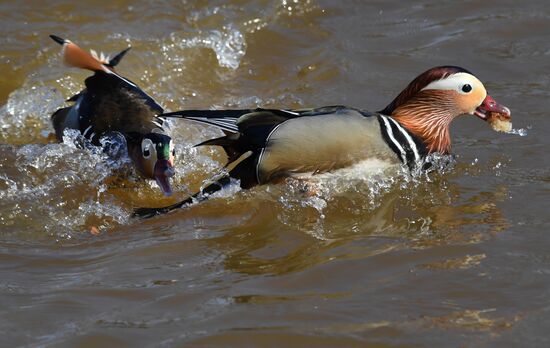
column 302, row 234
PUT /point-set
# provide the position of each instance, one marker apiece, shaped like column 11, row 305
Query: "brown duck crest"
column 420, row 82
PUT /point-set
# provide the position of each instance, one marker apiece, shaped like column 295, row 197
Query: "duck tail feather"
column 116, row 59
column 225, row 141
column 75, row 56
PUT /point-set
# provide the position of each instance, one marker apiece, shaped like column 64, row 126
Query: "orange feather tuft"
column 77, row 57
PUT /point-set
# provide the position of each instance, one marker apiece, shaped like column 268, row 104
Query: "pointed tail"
column 116, row 59
column 75, row 56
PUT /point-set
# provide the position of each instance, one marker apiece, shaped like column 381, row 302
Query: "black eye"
column 146, row 153
column 466, row 88
column 174, row 153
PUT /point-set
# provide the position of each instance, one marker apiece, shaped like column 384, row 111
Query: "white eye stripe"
column 454, row 82
column 146, row 144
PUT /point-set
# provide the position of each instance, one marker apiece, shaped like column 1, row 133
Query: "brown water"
column 459, row 258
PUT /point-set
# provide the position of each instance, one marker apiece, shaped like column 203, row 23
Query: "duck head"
column 434, row 98
column 153, row 155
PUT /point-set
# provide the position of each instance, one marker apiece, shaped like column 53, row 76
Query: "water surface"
column 456, row 258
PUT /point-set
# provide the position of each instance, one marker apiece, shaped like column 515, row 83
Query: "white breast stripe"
column 407, row 136
column 263, row 149
column 392, row 138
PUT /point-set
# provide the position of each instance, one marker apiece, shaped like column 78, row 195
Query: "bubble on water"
column 229, row 45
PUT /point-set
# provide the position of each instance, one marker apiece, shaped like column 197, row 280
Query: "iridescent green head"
column 156, row 159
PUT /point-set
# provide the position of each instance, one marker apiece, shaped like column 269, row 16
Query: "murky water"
column 456, row 258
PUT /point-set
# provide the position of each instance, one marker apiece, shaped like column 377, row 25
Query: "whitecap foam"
column 60, row 188
column 28, row 111
column 228, row 43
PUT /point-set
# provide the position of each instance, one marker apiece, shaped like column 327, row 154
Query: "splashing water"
column 64, row 184
column 68, row 185
column 363, row 188
column 522, row 132
column 228, row 44
column 27, row 112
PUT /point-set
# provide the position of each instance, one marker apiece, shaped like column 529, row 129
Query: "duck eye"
column 146, row 153
column 146, row 146
column 172, row 150
column 466, row 88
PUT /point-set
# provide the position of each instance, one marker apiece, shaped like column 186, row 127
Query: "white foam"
column 28, row 110
column 522, row 132
column 229, row 45
column 59, row 187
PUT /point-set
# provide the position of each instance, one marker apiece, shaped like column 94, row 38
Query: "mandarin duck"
column 267, row 145
column 112, row 104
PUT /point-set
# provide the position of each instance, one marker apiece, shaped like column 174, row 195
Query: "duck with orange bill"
column 267, row 145
column 111, row 104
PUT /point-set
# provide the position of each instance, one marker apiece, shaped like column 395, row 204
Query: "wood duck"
column 266, row 145
column 111, row 103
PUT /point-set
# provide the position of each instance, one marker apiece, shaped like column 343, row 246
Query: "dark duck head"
column 433, row 99
column 154, row 155
column 112, row 103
